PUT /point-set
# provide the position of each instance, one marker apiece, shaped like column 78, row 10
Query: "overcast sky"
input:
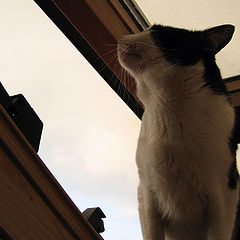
column 89, row 137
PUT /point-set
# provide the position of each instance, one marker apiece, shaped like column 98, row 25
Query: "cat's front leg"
column 150, row 217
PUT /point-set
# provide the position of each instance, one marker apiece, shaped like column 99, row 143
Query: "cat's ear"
column 218, row 37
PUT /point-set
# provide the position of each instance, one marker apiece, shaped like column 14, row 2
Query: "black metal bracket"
column 23, row 115
column 94, row 216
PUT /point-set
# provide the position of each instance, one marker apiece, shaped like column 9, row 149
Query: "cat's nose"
column 125, row 44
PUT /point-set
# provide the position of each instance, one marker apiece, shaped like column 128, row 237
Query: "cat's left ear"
column 218, row 37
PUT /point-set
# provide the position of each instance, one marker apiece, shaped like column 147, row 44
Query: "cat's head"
column 160, row 47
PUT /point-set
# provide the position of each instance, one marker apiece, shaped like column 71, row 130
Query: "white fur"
column 183, row 156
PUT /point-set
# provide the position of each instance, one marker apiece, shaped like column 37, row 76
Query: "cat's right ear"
column 218, row 37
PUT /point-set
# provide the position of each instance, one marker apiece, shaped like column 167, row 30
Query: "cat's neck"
column 171, row 102
column 169, row 90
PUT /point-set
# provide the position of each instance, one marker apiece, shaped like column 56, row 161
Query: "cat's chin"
column 126, row 56
column 131, row 62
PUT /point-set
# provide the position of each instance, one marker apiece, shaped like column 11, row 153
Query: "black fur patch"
column 233, row 174
column 184, row 47
column 179, row 46
column 213, row 77
column 236, row 230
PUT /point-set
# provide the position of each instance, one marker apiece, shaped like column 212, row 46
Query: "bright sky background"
column 89, row 137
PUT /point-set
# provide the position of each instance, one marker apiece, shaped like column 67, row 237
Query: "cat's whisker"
column 110, row 52
column 129, row 90
column 110, row 60
column 127, row 80
column 106, row 53
column 110, row 44
column 118, row 71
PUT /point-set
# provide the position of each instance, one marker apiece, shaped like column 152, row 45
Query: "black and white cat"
column 186, row 153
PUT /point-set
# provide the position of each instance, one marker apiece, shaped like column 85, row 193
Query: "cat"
column 186, row 153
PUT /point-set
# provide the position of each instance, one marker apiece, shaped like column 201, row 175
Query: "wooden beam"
column 233, row 86
column 33, row 205
column 235, row 96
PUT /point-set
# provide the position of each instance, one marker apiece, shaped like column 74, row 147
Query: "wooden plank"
column 23, row 213
column 235, row 99
column 16, row 148
column 233, row 86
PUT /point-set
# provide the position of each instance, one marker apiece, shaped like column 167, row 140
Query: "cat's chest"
column 152, row 153
column 168, row 151
column 157, row 137
column 172, row 151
